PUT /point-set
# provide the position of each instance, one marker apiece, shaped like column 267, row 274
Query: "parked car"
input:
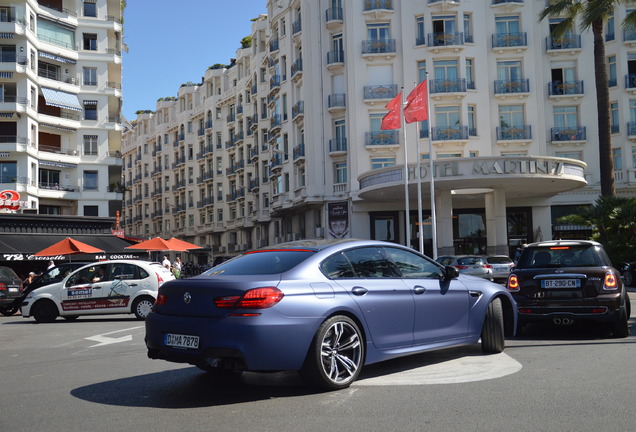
column 106, row 287
column 567, row 281
column 628, row 271
column 473, row 265
column 325, row 308
column 501, row 266
column 10, row 289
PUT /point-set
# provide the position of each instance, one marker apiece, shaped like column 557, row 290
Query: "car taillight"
column 159, row 279
column 3, row 287
column 610, row 282
column 487, row 266
column 461, row 267
column 513, row 283
column 161, row 300
column 257, row 298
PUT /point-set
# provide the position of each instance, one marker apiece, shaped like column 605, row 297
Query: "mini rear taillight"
column 610, row 283
column 3, row 287
column 513, row 283
column 161, row 300
column 257, row 298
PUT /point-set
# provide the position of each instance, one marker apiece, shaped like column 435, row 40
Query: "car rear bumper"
column 271, row 343
column 600, row 309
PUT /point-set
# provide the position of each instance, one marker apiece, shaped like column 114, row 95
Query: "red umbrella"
column 159, row 244
column 68, row 246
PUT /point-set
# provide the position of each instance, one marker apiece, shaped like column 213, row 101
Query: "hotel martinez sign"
column 557, row 174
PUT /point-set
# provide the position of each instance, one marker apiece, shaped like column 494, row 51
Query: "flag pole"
column 406, row 176
column 432, row 174
column 420, row 222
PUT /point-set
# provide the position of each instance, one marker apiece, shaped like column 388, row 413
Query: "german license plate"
column 561, row 283
column 181, row 341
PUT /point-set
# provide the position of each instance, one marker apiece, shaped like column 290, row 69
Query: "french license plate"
column 13, row 290
column 561, row 283
column 181, row 341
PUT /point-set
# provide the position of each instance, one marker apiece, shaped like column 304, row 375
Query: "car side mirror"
column 450, row 272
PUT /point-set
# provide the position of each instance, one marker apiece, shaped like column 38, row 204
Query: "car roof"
column 322, row 244
column 555, row 243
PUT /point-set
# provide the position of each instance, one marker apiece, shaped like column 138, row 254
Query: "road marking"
column 103, row 339
column 454, row 371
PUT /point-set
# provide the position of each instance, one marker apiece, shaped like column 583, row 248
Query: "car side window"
column 337, row 267
column 413, row 266
column 445, row 260
column 370, row 262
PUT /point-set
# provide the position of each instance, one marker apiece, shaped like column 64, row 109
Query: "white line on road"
column 103, row 339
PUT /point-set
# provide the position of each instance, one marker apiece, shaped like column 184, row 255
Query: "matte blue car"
column 324, row 308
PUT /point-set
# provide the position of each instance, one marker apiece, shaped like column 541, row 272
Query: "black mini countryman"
column 566, row 281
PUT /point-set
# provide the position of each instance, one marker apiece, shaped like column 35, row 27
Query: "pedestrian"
column 176, row 272
column 178, row 264
column 30, row 278
column 51, row 265
column 166, row 262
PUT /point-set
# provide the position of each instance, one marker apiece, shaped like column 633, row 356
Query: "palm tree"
column 593, row 14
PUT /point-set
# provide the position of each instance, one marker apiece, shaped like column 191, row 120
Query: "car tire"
column 336, row 354
column 628, row 278
column 142, row 306
column 8, row 311
column 492, row 333
column 620, row 327
column 44, row 311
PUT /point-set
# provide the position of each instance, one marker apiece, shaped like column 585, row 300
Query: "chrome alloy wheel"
column 341, row 352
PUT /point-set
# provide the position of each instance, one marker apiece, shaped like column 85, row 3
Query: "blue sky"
column 172, row 43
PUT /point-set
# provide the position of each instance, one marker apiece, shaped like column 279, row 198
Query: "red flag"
column 392, row 119
column 417, row 104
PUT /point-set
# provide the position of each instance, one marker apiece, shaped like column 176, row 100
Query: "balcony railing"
column 445, row 39
column 337, row 145
column 563, row 43
column 388, row 91
column 296, row 67
column 370, row 5
column 378, row 46
column 336, row 100
column 630, row 81
column 335, row 57
column 576, row 133
column 448, row 86
column 381, row 138
column 495, row 2
column 449, row 133
column 631, row 128
column 299, row 151
column 298, row 108
column 334, row 14
column 512, row 86
column 503, row 40
column 561, row 88
column 514, row 133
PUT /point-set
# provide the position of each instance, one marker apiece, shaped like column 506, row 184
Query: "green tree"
column 613, row 220
column 592, row 14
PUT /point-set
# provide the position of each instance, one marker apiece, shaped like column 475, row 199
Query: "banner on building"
column 338, row 219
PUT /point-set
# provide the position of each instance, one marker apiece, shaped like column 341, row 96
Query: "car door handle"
column 418, row 289
column 133, row 284
column 359, row 291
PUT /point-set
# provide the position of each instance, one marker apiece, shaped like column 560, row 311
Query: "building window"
column 90, row 110
column 49, row 179
column 633, row 157
column 90, row 180
column 611, row 71
column 472, row 120
column 570, row 155
column 566, row 117
column 90, row 145
column 90, row 8
column 617, row 155
column 609, row 31
column 614, row 124
column 50, row 210
column 90, row 76
column 421, row 70
column 89, row 41
column 8, row 172
column 340, row 172
column 470, row 74
column 91, row 210
column 420, row 37
column 382, row 162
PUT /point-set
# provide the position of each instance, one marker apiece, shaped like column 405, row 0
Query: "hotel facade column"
column 444, row 207
column 496, row 223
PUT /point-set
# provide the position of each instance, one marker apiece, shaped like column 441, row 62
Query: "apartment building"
column 60, row 106
column 285, row 142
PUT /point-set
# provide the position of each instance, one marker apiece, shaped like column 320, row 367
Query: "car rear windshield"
column 561, row 256
column 499, row 260
column 262, row 262
column 469, row 260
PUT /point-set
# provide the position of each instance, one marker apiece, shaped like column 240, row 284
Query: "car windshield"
column 261, row 262
column 560, row 256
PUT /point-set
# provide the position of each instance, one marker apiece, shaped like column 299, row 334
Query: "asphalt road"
column 93, row 375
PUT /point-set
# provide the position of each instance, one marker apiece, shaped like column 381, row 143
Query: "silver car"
column 501, row 266
column 473, row 265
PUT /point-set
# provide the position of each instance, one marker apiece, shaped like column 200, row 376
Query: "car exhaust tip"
column 557, row 321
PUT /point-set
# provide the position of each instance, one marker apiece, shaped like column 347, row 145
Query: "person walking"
column 166, row 262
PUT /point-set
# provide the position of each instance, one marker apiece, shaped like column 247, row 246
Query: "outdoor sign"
column 9, row 200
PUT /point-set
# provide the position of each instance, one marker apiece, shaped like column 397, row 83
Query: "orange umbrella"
column 159, row 244
column 68, row 246
column 175, row 242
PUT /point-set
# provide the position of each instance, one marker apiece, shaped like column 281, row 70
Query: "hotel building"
column 60, row 106
column 285, row 142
